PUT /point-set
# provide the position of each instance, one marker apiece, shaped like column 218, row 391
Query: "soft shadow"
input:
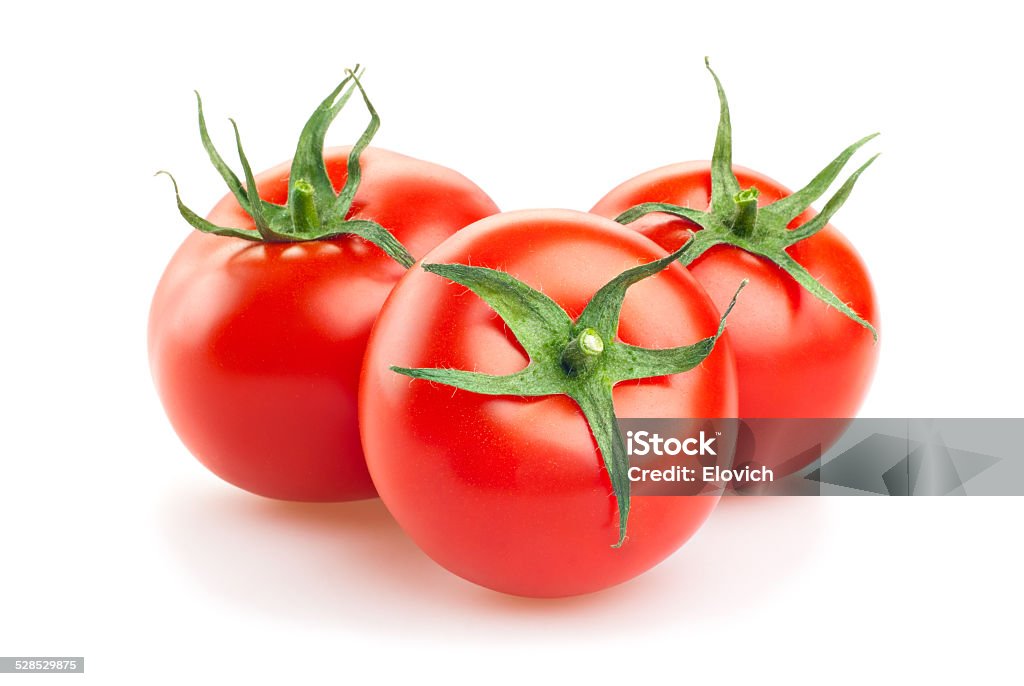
column 349, row 563
column 308, row 561
column 750, row 549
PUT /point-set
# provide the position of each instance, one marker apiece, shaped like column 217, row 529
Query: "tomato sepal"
column 734, row 218
column 313, row 212
column 581, row 359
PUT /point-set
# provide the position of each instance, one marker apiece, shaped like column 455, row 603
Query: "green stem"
column 303, row 205
column 745, row 216
column 314, row 211
column 586, row 369
column 582, row 352
column 734, row 218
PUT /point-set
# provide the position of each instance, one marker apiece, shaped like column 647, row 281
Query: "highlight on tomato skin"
column 257, row 333
column 513, row 492
column 805, row 333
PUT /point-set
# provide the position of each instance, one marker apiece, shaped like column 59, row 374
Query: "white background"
column 117, row 545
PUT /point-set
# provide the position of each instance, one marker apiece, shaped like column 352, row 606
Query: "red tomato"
column 256, row 347
column 795, row 355
column 511, row 492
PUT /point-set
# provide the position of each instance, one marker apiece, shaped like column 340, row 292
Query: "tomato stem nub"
column 303, row 206
column 746, row 212
column 581, row 353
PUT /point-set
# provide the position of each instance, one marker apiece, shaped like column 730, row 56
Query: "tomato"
column 255, row 347
column 507, row 491
column 796, row 355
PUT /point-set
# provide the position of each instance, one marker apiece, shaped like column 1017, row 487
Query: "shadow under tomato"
column 350, row 564
column 307, row 561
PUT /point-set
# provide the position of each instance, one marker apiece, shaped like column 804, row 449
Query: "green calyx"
column 735, row 219
column 314, row 212
column 581, row 359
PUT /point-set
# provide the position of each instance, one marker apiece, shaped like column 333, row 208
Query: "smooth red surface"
column 511, row 493
column 796, row 356
column 256, row 348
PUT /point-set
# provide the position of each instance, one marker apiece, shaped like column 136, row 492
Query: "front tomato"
column 511, row 492
column 255, row 344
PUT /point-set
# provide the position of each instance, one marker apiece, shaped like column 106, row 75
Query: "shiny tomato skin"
column 795, row 356
column 508, row 492
column 256, row 348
